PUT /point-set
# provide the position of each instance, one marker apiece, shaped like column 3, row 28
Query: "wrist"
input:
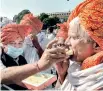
column 40, row 65
column 37, row 67
column 62, row 77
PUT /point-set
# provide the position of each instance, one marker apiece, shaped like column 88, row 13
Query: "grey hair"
column 81, row 31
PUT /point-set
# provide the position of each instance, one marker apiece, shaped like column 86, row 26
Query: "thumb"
column 49, row 45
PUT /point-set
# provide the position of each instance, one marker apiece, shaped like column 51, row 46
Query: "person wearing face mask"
column 13, row 66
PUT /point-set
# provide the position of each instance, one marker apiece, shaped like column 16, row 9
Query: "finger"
column 58, row 50
column 49, row 45
column 67, row 40
column 58, row 60
column 57, row 56
column 61, row 50
column 60, row 45
column 54, row 45
column 61, row 41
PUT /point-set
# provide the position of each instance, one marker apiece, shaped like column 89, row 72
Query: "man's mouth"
column 73, row 57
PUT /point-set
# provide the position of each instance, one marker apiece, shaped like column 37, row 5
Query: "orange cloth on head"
column 34, row 22
column 93, row 60
column 73, row 14
column 90, row 13
column 91, row 17
column 11, row 32
column 64, row 29
column 77, row 10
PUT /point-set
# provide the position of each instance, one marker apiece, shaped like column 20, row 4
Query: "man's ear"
column 96, row 48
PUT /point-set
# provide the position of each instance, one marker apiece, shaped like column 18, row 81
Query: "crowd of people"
column 25, row 50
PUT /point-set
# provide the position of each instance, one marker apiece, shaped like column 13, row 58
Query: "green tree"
column 57, row 20
column 65, row 19
column 51, row 21
column 17, row 18
column 43, row 16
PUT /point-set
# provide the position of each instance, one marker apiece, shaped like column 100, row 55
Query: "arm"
column 62, row 68
column 37, row 46
column 18, row 73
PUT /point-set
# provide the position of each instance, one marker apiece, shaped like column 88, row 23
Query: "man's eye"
column 12, row 43
column 20, row 43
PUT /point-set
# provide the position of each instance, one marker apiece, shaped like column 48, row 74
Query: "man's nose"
column 17, row 45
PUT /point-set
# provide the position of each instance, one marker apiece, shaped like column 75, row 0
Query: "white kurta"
column 83, row 80
column 42, row 39
column 30, row 52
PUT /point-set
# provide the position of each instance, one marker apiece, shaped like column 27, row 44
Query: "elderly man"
column 83, row 31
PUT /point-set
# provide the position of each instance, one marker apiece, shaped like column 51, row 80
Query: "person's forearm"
column 61, row 78
column 18, row 73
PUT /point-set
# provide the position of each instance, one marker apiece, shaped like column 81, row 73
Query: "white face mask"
column 14, row 52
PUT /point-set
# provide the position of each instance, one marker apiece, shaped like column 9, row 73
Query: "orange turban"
column 11, row 32
column 90, row 13
column 93, row 60
column 34, row 22
column 91, row 18
column 77, row 10
column 74, row 13
column 64, row 31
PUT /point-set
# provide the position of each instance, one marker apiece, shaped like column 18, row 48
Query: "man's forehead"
column 17, row 40
column 74, row 26
column 73, row 30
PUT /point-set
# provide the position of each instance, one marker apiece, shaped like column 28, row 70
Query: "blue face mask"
column 14, row 52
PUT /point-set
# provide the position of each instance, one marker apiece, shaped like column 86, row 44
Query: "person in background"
column 85, row 38
column 13, row 66
column 50, row 35
column 42, row 39
column 41, row 36
column 32, row 48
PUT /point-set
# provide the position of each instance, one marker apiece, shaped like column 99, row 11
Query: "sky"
column 9, row 8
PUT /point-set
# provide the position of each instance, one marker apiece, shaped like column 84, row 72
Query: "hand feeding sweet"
column 69, row 52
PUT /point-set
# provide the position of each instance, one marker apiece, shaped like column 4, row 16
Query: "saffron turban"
column 64, row 31
column 90, row 13
column 91, row 17
column 11, row 32
column 33, row 21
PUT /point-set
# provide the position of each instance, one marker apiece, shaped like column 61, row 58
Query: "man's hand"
column 62, row 68
column 51, row 56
